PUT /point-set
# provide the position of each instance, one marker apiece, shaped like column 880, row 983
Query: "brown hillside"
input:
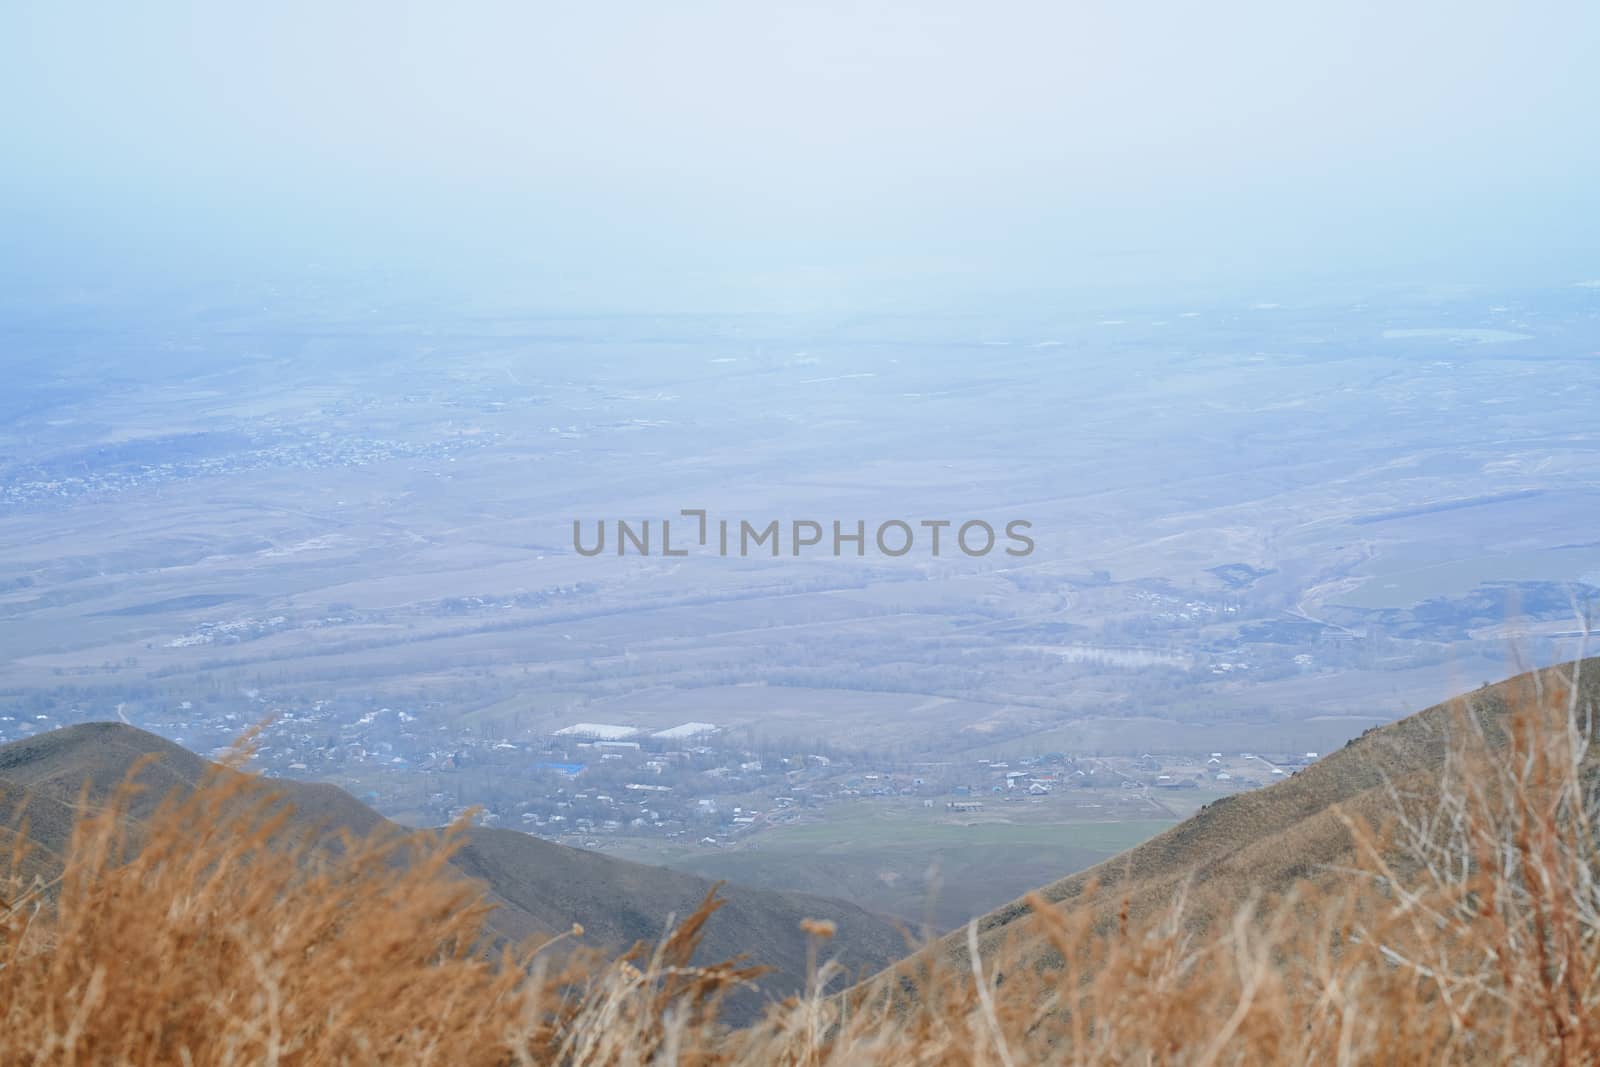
column 539, row 887
column 1259, row 844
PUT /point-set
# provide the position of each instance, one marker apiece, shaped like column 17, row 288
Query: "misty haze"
column 889, row 458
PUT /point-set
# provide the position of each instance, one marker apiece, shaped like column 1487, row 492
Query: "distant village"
column 588, row 783
column 111, row 470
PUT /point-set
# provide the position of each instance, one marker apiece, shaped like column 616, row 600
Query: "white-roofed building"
column 686, row 731
column 598, row 731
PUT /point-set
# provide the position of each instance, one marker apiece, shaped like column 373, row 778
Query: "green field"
column 916, row 864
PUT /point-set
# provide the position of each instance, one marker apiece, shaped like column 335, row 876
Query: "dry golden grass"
column 1464, row 931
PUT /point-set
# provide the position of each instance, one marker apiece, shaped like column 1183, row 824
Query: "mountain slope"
column 539, row 886
column 1261, row 843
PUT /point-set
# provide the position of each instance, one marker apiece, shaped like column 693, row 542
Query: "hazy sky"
column 710, row 154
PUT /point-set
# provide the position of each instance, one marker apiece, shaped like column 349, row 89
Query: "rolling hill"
column 1261, row 843
column 538, row 886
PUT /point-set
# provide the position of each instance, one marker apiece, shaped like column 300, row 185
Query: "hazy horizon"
column 825, row 158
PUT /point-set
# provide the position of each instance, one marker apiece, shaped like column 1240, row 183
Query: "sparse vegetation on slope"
column 1266, row 842
column 538, row 887
column 1456, row 921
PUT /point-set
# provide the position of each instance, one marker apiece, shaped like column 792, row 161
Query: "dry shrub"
column 216, row 937
column 1464, row 930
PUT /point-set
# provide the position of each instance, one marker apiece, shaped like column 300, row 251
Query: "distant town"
column 590, row 783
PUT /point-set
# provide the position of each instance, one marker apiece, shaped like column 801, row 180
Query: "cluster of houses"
column 589, row 780
column 102, row 474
